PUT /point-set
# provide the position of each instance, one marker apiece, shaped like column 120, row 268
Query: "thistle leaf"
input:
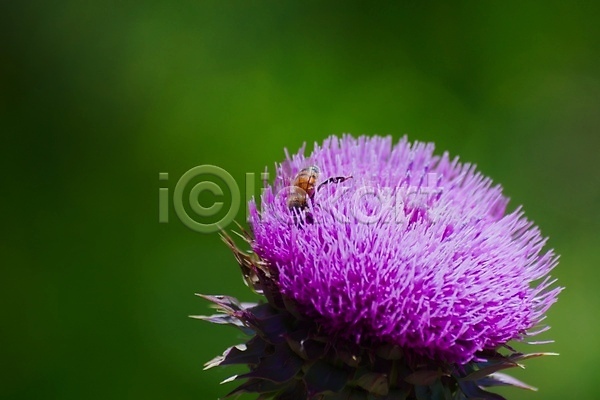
column 324, row 377
column 350, row 394
column 273, row 328
column 440, row 391
column 255, row 386
column 390, row 352
column 249, row 353
column 349, row 358
column 472, row 391
column 279, row 367
column 500, row 379
column 375, row 383
column 424, row 377
column 308, row 349
column 295, row 392
column 503, row 363
column 225, row 304
column 521, row 357
column 220, row 319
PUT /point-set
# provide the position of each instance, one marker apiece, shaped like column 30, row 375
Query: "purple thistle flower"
column 415, row 250
column 388, row 272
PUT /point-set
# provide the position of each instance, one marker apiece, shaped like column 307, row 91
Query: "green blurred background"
column 97, row 98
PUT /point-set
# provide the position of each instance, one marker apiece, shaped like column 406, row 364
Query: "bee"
column 305, row 186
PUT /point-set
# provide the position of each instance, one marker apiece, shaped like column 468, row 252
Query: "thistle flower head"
column 416, row 249
column 388, row 272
